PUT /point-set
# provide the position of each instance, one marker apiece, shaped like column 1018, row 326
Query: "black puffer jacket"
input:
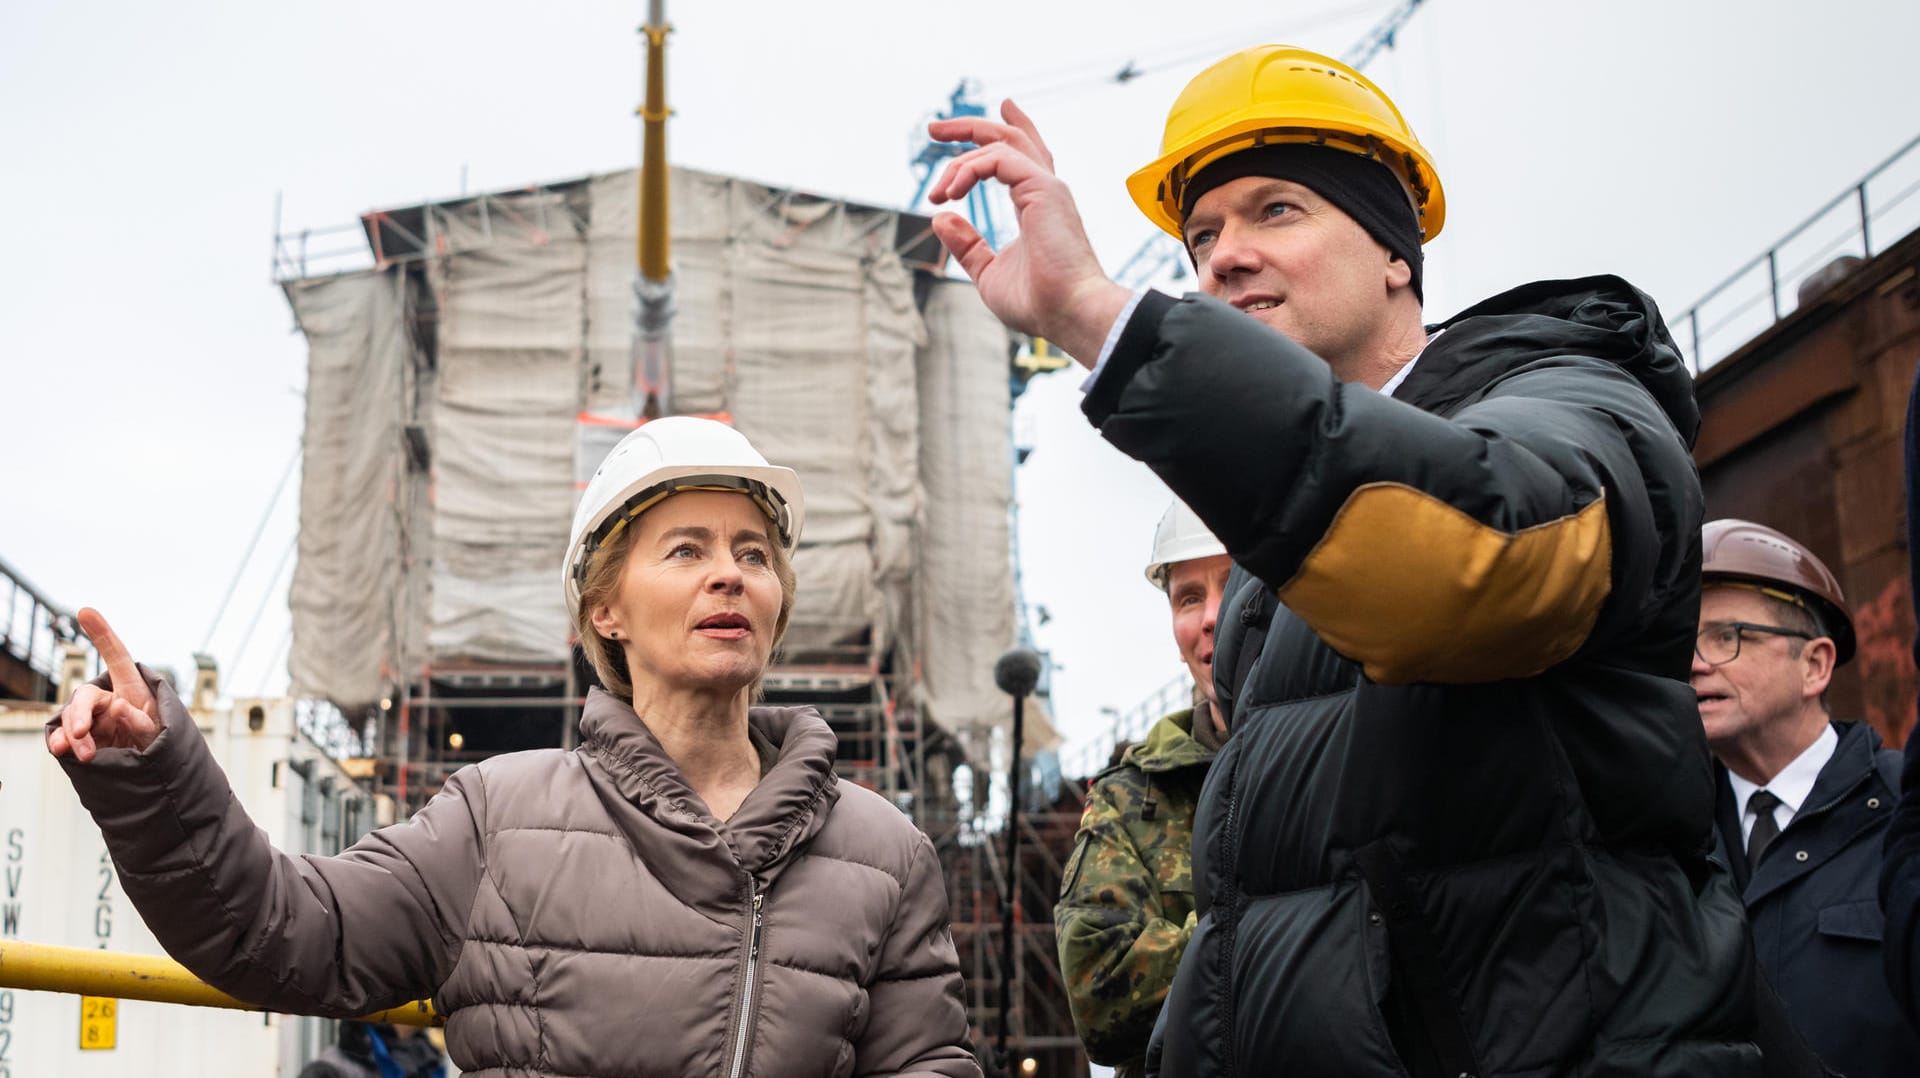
column 1463, row 821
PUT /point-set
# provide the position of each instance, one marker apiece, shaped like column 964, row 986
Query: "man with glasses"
column 1803, row 802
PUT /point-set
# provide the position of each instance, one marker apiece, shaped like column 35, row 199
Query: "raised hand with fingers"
column 123, row 717
column 1047, row 282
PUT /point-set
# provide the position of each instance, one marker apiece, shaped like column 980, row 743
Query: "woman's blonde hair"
column 604, row 570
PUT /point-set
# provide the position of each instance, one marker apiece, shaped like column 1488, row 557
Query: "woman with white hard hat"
column 691, row 891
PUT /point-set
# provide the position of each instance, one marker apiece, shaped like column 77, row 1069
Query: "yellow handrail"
column 39, row 967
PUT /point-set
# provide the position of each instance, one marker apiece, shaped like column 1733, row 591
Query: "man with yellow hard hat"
column 1463, row 824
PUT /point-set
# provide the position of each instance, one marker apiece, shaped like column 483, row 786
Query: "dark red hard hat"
column 1740, row 550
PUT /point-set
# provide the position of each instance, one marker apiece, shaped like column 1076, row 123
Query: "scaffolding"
column 971, row 849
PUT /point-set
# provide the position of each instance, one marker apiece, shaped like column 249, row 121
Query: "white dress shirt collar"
column 1400, row 375
column 1793, row 785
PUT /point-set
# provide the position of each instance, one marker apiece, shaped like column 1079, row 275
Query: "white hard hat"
column 1180, row 537
column 664, row 457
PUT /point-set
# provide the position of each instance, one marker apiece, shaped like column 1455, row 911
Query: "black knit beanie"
column 1364, row 189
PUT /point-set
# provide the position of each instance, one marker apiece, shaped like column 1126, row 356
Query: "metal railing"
column 33, row 628
column 1750, row 300
column 314, row 252
column 380, row 238
column 1088, row 756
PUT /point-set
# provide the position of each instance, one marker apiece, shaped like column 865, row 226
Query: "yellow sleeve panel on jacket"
column 1416, row 590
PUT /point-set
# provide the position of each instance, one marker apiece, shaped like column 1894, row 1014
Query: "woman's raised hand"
column 123, row 717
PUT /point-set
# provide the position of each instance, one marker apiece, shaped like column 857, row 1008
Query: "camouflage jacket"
column 1126, row 899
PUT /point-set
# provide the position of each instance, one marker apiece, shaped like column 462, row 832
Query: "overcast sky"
column 151, row 377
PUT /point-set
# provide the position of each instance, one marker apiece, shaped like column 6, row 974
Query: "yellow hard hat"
column 1272, row 94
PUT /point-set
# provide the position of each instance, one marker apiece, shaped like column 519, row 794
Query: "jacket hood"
column 1169, row 745
column 1603, row 317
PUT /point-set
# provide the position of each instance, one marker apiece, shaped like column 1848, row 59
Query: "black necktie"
column 1765, row 830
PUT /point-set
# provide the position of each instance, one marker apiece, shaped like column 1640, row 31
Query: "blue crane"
column 960, row 105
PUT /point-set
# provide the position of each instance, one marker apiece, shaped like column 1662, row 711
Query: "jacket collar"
column 1851, row 765
column 1170, row 745
column 1832, row 815
column 787, row 807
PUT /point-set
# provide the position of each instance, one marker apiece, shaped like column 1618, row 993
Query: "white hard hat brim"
column 786, row 509
column 1180, row 536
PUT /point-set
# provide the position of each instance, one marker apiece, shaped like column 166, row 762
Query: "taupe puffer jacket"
column 574, row 913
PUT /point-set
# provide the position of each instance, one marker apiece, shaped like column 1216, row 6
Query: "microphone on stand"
column 1016, row 673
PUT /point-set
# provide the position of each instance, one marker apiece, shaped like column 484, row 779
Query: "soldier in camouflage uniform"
column 1126, row 900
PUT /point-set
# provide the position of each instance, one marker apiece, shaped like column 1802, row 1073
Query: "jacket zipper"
column 745, row 1027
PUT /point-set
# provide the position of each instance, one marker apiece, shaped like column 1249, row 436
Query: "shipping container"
column 61, row 888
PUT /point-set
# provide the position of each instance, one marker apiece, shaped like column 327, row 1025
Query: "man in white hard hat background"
column 1126, row 897
column 1463, row 823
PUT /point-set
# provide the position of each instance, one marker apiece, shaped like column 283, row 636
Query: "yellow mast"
column 653, row 283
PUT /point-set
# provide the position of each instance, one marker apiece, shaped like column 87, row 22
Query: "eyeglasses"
column 1719, row 643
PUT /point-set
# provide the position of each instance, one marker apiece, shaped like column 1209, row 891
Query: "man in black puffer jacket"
column 1462, row 826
